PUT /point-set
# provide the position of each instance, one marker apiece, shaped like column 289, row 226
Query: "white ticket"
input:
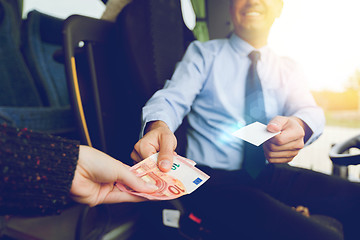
column 254, row 133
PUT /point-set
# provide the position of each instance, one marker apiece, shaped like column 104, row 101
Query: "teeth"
column 252, row 14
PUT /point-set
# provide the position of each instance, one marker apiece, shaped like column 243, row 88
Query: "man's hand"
column 158, row 138
column 285, row 146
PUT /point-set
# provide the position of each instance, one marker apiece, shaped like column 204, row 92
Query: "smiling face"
column 252, row 19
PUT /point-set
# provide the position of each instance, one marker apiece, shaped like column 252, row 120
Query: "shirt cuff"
column 315, row 123
column 156, row 117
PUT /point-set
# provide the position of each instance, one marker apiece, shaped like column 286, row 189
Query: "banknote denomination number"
column 176, row 190
column 175, row 166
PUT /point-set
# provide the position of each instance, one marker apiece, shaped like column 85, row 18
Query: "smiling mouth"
column 252, row 14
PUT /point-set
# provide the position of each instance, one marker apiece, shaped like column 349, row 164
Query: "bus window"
column 64, row 8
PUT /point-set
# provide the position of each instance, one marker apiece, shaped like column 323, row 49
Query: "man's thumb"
column 165, row 160
column 276, row 124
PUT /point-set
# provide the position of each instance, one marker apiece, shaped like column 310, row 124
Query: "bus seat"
column 118, row 68
column 17, row 87
column 20, row 102
column 154, row 37
column 97, row 89
column 113, row 68
column 41, row 39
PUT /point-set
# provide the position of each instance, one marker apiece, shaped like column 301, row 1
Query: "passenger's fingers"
column 129, row 179
column 119, row 197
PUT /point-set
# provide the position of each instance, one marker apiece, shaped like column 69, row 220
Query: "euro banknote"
column 183, row 178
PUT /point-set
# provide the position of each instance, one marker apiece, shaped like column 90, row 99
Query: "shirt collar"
column 242, row 47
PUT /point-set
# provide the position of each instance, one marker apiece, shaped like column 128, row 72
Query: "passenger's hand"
column 285, row 146
column 158, row 138
column 95, row 176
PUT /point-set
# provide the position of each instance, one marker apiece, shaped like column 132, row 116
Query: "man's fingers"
column 165, row 160
column 290, row 129
column 142, row 149
column 278, row 154
column 166, row 153
column 274, row 146
column 159, row 138
column 280, row 159
column 276, row 124
column 286, row 145
column 135, row 156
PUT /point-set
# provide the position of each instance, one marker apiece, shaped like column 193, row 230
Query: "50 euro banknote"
column 183, row 178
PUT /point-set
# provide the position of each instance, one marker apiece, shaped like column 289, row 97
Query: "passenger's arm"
column 95, row 175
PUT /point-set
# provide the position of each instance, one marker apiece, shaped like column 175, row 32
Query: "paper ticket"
column 254, row 133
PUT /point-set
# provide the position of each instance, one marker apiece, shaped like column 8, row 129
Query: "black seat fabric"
column 94, row 84
column 154, row 38
column 119, row 67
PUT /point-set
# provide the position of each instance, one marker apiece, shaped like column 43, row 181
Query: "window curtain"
column 201, row 30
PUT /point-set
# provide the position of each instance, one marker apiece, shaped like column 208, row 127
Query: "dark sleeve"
column 36, row 172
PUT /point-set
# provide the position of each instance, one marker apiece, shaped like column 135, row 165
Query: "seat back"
column 97, row 88
column 17, row 87
column 41, row 39
column 21, row 103
column 154, row 37
column 119, row 67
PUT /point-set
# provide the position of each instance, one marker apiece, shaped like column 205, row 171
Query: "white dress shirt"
column 208, row 86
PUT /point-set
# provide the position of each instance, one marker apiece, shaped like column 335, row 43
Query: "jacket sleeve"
column 36, row 172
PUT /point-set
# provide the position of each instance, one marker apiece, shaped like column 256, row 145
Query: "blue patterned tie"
column 254, row 158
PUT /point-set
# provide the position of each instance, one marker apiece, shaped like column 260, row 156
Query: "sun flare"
column 323, row 37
